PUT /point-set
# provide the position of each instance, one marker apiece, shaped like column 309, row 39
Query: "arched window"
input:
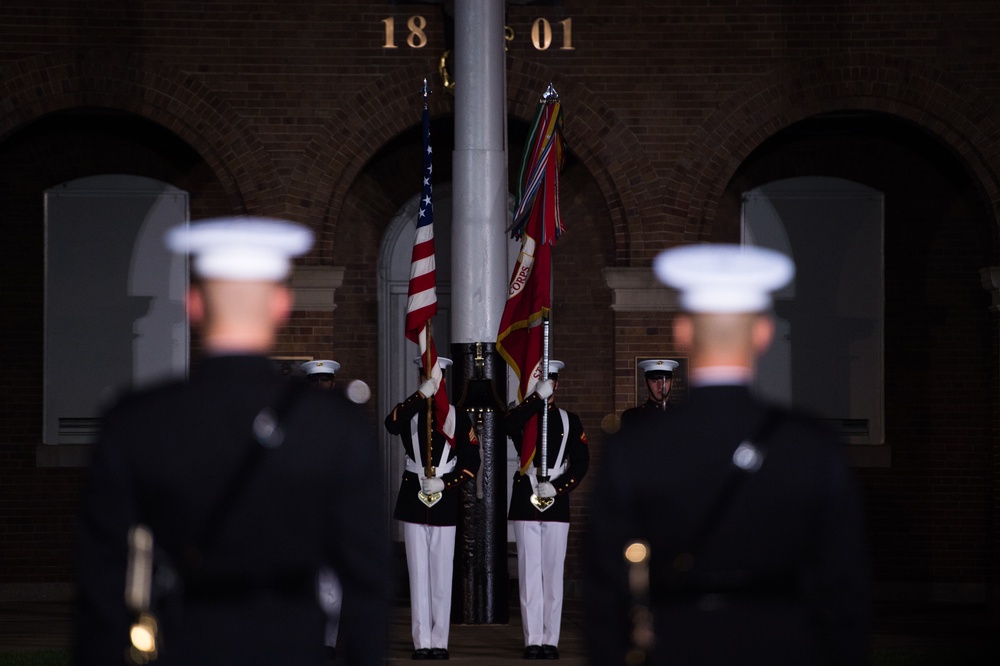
column 827, row 357
column 114, row 297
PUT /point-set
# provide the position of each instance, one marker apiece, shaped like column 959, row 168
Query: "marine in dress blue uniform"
column 542, row 536
column 659, row 376
column 170, row 456
column 322, row 374
column 429, row 531
column 751, row 517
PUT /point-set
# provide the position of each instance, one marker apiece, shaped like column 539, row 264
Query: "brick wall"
column 294, row 108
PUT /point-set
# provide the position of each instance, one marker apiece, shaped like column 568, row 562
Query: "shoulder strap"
column 747, row 459
column 268, row 433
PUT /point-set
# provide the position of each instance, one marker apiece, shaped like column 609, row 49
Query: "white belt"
column 418, row 469
column 553, row 475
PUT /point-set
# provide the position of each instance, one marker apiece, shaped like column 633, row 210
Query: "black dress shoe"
column 533, row 652
column 422, row 653
column 550, row 652
column 439, row 653
column 330, row 652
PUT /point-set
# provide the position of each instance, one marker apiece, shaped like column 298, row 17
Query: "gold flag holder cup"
column 542, row 503
column 429, row 499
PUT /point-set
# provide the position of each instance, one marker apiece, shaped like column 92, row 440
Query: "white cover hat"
column 555, row 366
column 658, row 365
column 724, row 278
column 323, row 367
column 241, row 248
column 443, row 362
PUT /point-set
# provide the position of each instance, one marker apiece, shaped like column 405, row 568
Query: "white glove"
column 546, row 490
column 428, row 388
column 431, row 485
column 544, row 389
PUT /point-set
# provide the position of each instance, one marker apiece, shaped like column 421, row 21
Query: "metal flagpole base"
column 481, row 581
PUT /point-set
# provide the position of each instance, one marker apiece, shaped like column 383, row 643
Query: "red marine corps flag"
column 537, row 224
column 421, row 302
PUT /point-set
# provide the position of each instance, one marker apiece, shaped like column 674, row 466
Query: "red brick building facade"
column 672, row 112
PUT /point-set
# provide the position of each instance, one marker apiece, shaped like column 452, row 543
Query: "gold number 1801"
column 541, row 33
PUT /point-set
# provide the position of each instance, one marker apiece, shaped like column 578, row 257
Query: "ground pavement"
column 36, row 625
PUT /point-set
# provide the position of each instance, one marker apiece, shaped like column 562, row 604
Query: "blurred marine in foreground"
column 742, row 522
column 213, row 503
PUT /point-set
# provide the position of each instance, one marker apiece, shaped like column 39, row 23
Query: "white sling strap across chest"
column 415, row 464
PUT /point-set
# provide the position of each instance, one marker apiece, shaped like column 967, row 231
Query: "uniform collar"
column 721, row 375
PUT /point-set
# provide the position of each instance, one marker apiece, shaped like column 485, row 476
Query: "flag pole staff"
column 548, row 97
column 428, row 371
column 545, row 407
column 429, row 470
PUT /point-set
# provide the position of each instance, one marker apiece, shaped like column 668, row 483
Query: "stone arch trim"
column 389, row 106
column 36, row 86
column 956, row 113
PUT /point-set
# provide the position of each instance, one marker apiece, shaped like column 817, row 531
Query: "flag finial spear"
column 425, row 90
column 550, row 96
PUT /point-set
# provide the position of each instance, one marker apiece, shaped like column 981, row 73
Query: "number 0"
column 541, row 34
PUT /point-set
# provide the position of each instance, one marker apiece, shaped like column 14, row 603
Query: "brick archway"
column 958, row 115
column 389, row 106
column 36, row 86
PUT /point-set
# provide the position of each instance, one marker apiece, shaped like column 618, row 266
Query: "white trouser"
column 430, row 552
column 331, row 597
column 541, row 558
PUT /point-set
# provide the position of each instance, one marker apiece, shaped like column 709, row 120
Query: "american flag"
column 421, row 302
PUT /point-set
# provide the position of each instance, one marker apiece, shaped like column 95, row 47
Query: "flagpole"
column 428, row 371
column 545, row 407
column 479, row 290
column 428, row 462
column 550, row 96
